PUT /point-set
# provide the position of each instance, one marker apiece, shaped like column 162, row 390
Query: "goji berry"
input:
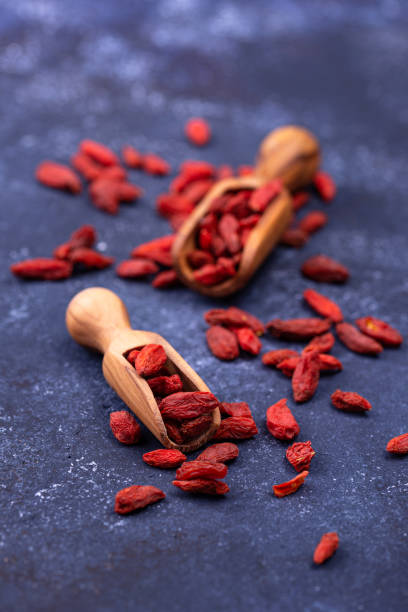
column 198, row 131
column 299, row 199
column 164, row 243
column 305, row 378
column 200, row 485
column 323, row 305
column 164, row 458
column 86, row 166
column 197, row 169
column 165, row 385
column 236, row 428
column 398, row 445
column 228, row 228
column 217, row 246
column 106, row 194
column 136, row 268
column 136, row 497
column 165, row 279
column 154, row 164
column 326, row 548
column 204, row 239
column 222, row 343
column 176, row 221
column 195, row 192
column 173, row 431
column 245, row 170
column 321, row 344
column 58, row 176
column 131, row 356
column 280, row 421
column 99, row 153
column 84, row 236
column 294, row 237
column 324, row 269
column 210, row 470
column 219, row 453
column 300, row 455
column 248, row 340
column 298, row 329
column 42, row 268
column 89, row 258
column 350, row 401
column 113, row 173
column 150, row 360
column 249, row 222
column 351, row 337
column 193, row 428
column 198, row 259
column 235, row 409
column 291, row 486
column 380, row 331
column 164, row 258
column 262, row 196
column 274, row 358
column 325, row 185
column 327, row 363
column 124, row 427
column 170, row 204
column 128, row 192
column 224, row 171
column 187, row 405
column 211, row 274
column 237, row 205
column 313, row 221
column 234, row 317
column 132, row 157
column 227, row 265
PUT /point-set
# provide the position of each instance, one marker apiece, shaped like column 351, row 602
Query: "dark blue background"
column 133, row 72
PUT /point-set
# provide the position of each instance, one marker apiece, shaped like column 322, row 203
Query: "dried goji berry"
column 86, row 166
column 300, row 455
column 160, row 256
column 222, row 343
column 298, row 329
column 327, row 363
column 136, row 497
column 249, row 222
column 193, row 428
column 217, row 246
column 299, row 199
column 324, row 269
column 42, row 268
column 200, row 485
column 198, row 259
column 176, row 221
column 228, row 228
column 323, row 305
column 380, row 331
column 313, row 221
column 325, row 185
column 210, row 470
column 173, row 431
column 224, row 171
column 164, row 458
column 237, row 205
column 150, row 360
column 245, row 170
column 136, row 268
column 165, row 279
column 99, row 152
column 187, row 405
column 106, row 194
column 288, row 366
column 211, row 274
column 128, row 192
column 286, row 488
column 124, row 427
column 398, row 445
column 280, row 421
column 236, row 409
column 219, row 453
column 234, row 317
column 89, row 258
column 305, row 378
column 132, row 157
column 294, row 237
column 321, row 344
column 169, row 204
column 164, row 243
column 196, row 191
column 84, row 236
column 350, row 401
column 154, row 164
column 262, row 196
column 114, row 173
column 131, row 356
column 198, row 131
column 356, row 341
column 236, row 428
column 197, row 169
column 165, row 385
column 274, row 358
column 248, row 340
column 58, row 176
column 226, row 265
column 326, row 548
column 204, row 239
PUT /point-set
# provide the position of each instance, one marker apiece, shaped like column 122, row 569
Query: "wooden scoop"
column 97, row 318
column 290, row 153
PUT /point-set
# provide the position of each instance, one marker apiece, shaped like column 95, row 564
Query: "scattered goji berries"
column 350, row 401
column 291, row 486
column 379, row 330
column 219, row 453
column 298, row 329
column 324, row 269
column 132, row 157
column 323, row 305
column 99, row 153
column 321, row 344
column 58, row 176
column 90, row 259
column 236, row 409
column 326, row 548
column 325, row 185
column 198, row 131
column 150, row 360
column 188, row 405
column 222, row 343
column 210, row 470
column 136, row 268
column 154, row 164
column 248, row 341
column 398, row 445
column 124, row 427
column 305, row 378
column 280, row 421
column 164, row 458
column 136, row 497
column 234, row 317
column 42, row 268
column 294, row 237
column 313, row 221
column 200, row 485
column 236, row 428
column 299, row 455
column 351, row 337
column 274, row 358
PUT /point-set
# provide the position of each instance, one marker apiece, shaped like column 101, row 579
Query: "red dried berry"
column 193, row 428
column 294, row 237
column 173, row 431
column 228, row 228
column 211, row 274
column 124, row 427
column 165, row 385
column 136, row 268
column 196, row 191
column 42, row 268
column 299, row 199
column 291, row 486
column 235, row 409
column 86, row 166
column 313, row 221
column 170, row 204
column 248, row 340
column 274, row 358
column 325, row 186
column 198, row 259
column 326, row 548
column 249, row 222
column 236, row 428
column 245, row 170
column 234, row 317
column 298, row 329
column 222, row 343
column 224, row 171
column 327, row 363
column 379, row 330
column 99, row 153
column 132, row 157
column 58, row 176
column 150, row 360
column 164, row 458
column 114, row 173
column 398, row 445
column 262, row 196
column 321, row 344
column 188, row 405
column 131, row 356
column 136, row 497
column 323, row 305
column 300, row 455
column 200, row 485
column 90, row 259
column 165, row 279
column 280, row 421
column 351, row 337
column 210, row 470
column 350, row 401
column 305, row 378
column 324, row 269
column 164, row 243
column 106, row 194
column 219, row 453
column 154, row 164
column 198, row 131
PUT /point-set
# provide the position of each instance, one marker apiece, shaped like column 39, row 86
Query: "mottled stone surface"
column 133, row 72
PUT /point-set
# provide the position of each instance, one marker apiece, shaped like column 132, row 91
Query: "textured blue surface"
column 134, row 71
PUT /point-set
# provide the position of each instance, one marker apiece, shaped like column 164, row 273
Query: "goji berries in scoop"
column 164, row 458
column 291, row 486
column 326, row 548
column 398, row 445
column 300, row 455
column 379, row 330
column 136, row 497
column 188, row 405
column 165, row 385
column 280, row 421
column 150, row 360
column 193, row 428
column 236, row 428
column 124, row 427
column 350, row 401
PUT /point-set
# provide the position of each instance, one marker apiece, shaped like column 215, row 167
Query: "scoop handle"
column 95, row 316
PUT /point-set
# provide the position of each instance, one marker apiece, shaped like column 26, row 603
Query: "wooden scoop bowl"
column 290, row 153
column 97, row 318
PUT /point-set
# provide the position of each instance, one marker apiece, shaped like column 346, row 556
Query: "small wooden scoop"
column 97, row 318
column 290, row 153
